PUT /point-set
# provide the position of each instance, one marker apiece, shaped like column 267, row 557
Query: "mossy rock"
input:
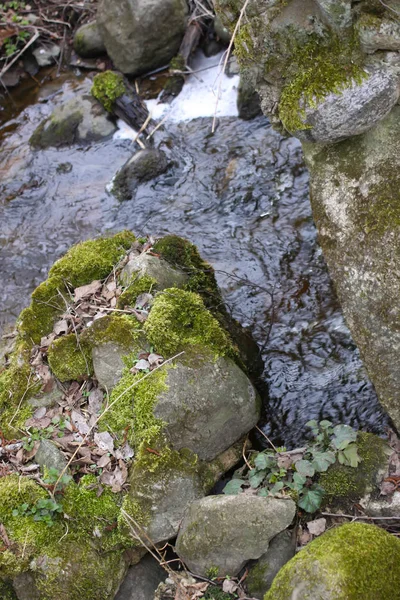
column 351, row 562
column 144, row 166
column 88, row 42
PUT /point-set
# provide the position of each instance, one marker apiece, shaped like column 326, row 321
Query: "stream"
column 241, row 195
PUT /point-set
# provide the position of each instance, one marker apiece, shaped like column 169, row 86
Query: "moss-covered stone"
column 345, row 485
column 122, row 329
column 141, row 285
column 7, row 591
column 70, row 358
column 54, row 132
column 351, row 562
column 108, row 87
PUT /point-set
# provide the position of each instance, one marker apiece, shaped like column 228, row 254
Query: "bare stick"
column 268, row 440
column 31, row 41
column 228, row 53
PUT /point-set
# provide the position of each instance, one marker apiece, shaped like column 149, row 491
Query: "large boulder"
column 224, row 532
column 356, row 561
column 141, row 35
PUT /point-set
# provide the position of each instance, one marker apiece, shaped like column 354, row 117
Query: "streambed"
column 241, row 195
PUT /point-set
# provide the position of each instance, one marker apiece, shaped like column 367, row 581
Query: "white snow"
column 198, row 97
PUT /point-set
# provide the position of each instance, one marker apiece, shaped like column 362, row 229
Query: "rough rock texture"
column 88, row 42
column 355, row 199
column 227, row 531
column 81, row 119
column 281, row 549
column 141, row 580
column 209, row 405
column 46, row 55
column 248, row 101
column 141, row 35
column 49, row 456
column 108, row 364
column 157, row 268
column 354, row 110
column 336, row 12
column 351, row 562
column 143, row 166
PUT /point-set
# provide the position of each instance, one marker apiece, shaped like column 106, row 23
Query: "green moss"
column 256, row 578
column 70, row 359
column 124, row 330
column 352, row 562
column 7, row 591
column 179, row 319
column 215, row 593
column 53, row 132
column 315, row 70
column 108, row 87
column 346, row 484
column 141, row 285
column 82, row 264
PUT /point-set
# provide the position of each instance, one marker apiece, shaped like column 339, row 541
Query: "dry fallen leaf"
column 104, row 441
column 87, row 290
column 80, row 422
column 317, row 526
column 61, row 327
column 229, row 586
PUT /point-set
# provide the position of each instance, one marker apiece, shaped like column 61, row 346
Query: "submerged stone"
column 143, row 166
column 351, row 562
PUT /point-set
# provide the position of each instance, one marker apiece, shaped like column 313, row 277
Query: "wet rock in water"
column 355, row 561
column 142, row 35
column 248, row 100
column 46, row 55
column 135, row 476
column 281, row 549
column 81, row 119
column 224, row 532
column 141, row 580
column 143, row 166
column 49, row 456
column 88, row 42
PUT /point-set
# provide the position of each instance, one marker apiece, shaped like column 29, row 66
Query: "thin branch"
column 268, row 440
column 20, row 53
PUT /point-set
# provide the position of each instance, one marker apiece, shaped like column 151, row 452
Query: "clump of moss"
column 70, row 358
column 178, row 319
column 83, row 263
column 141, row 285
column 351, row 562
column 108, row 87
column 124, row 330
column 347, row 485
column 7, row 591
column 316, row 69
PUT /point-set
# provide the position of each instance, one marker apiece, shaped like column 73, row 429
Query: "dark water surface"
column 241, row 195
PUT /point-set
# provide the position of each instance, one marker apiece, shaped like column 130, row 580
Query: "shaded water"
column 241, row 195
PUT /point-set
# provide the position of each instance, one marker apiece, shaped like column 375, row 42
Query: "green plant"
column 295, row 473
column 45, row 510
column 36, row 435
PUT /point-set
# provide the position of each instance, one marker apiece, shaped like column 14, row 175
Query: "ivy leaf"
column 349, row 456
column 313, row 425
column 234, row 487
column 298, row 481
column 322, row 460
column 263, row 461
column 325, row 424
column 343, row 436
column 305, row 468
column 264, row 492
column 277, row 487
column 311, row 499
column 256, row 477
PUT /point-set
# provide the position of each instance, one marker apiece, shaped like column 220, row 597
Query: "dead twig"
column 20, row 53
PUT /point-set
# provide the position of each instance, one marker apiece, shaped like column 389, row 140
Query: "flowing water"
column 241, row 195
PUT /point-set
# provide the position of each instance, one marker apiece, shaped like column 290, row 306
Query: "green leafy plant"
column 45, row 510
column 295, row 473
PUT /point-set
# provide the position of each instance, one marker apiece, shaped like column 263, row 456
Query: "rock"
column 221, row 31
column 248, row 101
column 143, row 166
column 25, row 587
column 355, row 201
column 49, row 456
column 352, row 111
column 47, row 399
column 81, row 119
column 142, row 35
column 220, row 405
column 378, row 33
column 224, row 532
column 281, row 549
column 336, row 12
column 382, row 507
column 108, row 364
column 46, row 55
column 157, row 268
column 88, row 42
column 141, row 580
column 355, row 561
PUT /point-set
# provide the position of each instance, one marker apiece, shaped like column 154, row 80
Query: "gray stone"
column 108, row 364
column 221, row 31
column 336, row 12
column 378, row 34
column 158, row 268
column 143, row 166
column 88, row 42
column 141, row 580
column 355, row 199
column 353, row 111
column 46, row 55
column 25, row 587
column 248, row 100
column 49, row 456
column 142, row 35
column 281, row 549
column 227, row 531
column 47, row 399
column 356, row 560
column 208, row 406
column 81, row 119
